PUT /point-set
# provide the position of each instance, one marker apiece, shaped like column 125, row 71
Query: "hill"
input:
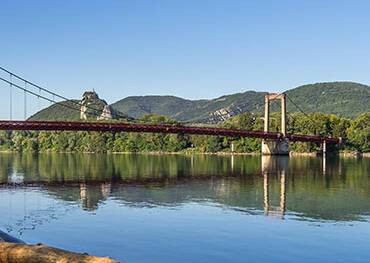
column 89, row 107
column 66, row 110
column 346, row 99
column 214, row 110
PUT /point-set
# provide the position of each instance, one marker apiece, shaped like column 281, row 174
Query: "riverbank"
column 13, row 250
column 21, row 253
column 121, row 205
column 225, row 153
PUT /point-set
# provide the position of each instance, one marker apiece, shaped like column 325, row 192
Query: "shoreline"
column 15, row 250
column 291, row 154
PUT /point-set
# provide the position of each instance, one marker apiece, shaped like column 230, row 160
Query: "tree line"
column 355, row 134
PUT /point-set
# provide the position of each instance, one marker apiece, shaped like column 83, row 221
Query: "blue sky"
column 193, row 49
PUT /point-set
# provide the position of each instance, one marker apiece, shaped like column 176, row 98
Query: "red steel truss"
column 149, row 128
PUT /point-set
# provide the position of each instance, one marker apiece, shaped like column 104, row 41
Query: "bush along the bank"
column 355, row 134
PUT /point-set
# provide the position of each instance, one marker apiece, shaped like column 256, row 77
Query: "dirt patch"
column 21, row 253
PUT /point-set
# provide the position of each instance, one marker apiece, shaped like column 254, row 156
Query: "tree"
column 359, row 133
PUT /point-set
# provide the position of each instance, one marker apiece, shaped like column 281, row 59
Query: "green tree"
column 359, row 133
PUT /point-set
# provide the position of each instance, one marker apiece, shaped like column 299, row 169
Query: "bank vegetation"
column 355, row 133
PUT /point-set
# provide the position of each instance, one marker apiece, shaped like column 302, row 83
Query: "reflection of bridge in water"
column 88, row 200
column 276, row 167
column 270, row 167
column 273, row 186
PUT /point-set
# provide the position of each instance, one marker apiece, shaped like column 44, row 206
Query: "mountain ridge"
column 344, row 98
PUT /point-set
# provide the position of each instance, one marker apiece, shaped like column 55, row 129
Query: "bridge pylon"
column 281, row 146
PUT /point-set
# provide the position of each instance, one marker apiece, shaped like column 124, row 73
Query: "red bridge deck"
column 133, row 127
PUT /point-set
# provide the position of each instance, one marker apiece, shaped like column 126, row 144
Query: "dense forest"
column 355, row 133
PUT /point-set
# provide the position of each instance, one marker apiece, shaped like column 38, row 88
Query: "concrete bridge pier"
column 272, row 147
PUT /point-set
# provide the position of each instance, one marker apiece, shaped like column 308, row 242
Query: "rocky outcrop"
column 106, row 114
column 224, row 113
column 94, row 107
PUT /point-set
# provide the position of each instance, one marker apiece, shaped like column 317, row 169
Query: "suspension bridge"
column 273, row 142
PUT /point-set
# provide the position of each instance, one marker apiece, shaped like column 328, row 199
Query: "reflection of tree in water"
column 82, row 168
column 243, row 183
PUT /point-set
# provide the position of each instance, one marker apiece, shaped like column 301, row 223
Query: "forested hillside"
column 340, row 98
column 206, row 111
column 66, row 110
column 345, row 99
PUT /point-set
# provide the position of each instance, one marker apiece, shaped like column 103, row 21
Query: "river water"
column 183, row 208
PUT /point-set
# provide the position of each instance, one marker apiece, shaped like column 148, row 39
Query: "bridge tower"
column 273, row 147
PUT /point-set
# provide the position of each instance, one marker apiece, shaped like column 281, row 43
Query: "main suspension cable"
column 38, row 95
column 95, row 110
column 297, row 106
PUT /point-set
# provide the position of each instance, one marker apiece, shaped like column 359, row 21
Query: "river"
column 190, row 208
